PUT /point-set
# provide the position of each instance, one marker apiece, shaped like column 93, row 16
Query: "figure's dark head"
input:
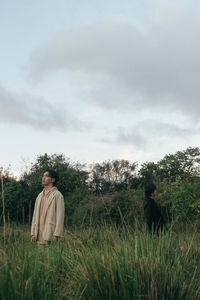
column 149, row 189
column 52, row 174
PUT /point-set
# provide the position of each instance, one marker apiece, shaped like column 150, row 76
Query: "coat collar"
column 54, row 188
column 49, row 199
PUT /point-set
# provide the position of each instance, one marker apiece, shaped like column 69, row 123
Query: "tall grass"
column 102, row 263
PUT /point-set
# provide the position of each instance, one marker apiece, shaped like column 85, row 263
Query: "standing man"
column 152, row 212
column 49, row 211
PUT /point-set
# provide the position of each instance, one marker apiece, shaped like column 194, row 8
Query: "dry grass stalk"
column 3, row 206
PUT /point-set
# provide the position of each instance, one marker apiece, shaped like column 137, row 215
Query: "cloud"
column 143, row 134
column 123, row 67
column 25, row 109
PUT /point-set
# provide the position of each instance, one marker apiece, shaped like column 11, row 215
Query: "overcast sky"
column 98, row 80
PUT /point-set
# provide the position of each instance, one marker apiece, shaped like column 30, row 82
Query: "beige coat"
column 54, row 211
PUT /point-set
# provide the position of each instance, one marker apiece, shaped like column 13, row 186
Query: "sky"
column 98, row 80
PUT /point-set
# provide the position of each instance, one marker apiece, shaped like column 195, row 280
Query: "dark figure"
column 152, row 212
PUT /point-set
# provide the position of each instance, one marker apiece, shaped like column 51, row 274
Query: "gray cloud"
column 144, row 133
column 125, row 67
column 37, row 113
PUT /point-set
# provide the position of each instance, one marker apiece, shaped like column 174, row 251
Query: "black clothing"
column 154, row 218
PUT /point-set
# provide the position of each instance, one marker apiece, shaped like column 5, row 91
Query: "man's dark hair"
column 52, row 174
column 149, row 188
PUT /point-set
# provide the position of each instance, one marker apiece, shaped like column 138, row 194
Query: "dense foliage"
column 108, row 192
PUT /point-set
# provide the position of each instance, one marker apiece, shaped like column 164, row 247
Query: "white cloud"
column 142, row 72
column 147, row 132
column 119, row 66
column 25, row 109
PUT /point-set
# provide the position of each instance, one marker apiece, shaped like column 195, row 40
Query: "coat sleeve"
column 60, row 214
column 34, row 218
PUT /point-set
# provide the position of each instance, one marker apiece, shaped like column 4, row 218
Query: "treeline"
column 111, row 191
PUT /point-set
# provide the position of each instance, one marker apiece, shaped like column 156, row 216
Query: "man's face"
column 155, row 194
column 47, row 180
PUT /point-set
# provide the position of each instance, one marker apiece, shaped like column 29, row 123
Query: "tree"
column 16, row 204
column 179, row 166
column 113, row 176
column 148, row 172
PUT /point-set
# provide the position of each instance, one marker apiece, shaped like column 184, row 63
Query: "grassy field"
column 101, row 263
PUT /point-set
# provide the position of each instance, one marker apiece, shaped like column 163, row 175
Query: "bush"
column 181, row 196
column 116, row 208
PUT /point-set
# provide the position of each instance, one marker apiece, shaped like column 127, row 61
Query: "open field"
column 101, row 263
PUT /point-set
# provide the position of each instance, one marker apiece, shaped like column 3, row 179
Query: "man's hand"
column 56, row 238
column 33, row 239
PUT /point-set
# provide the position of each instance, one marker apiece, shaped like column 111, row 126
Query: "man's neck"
column 47, row 188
